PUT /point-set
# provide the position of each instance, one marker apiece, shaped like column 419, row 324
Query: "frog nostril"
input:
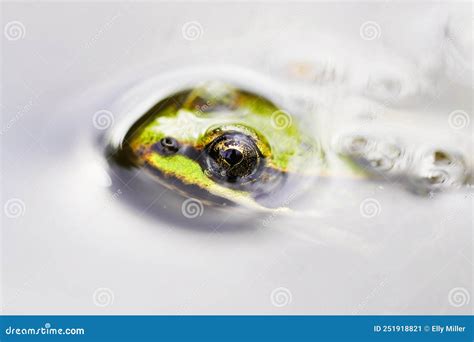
column 167, row 146
column 167, row 142
column 232, row 156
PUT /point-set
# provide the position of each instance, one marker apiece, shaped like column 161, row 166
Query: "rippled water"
column 384, row 227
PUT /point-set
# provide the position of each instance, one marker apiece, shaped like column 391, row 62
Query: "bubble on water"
column 438, row 169
column 372, row 153
column 424, row 169
column 378, row 161
column 356, row 145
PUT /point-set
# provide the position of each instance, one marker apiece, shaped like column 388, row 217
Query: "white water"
column 76, row 235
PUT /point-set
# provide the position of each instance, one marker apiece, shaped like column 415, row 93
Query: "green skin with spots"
column 195, row 118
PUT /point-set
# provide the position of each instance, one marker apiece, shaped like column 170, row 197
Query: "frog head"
column 222, row 145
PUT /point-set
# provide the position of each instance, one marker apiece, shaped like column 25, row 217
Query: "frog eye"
column 233, row 157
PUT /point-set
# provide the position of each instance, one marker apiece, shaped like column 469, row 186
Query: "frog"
column 224, row 146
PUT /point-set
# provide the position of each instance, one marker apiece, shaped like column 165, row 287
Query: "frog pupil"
column 232, row 156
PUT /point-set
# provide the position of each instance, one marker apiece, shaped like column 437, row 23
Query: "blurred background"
column 73, row 244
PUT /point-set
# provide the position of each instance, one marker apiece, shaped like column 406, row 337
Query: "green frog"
column 228, row 146
column 224, row 146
